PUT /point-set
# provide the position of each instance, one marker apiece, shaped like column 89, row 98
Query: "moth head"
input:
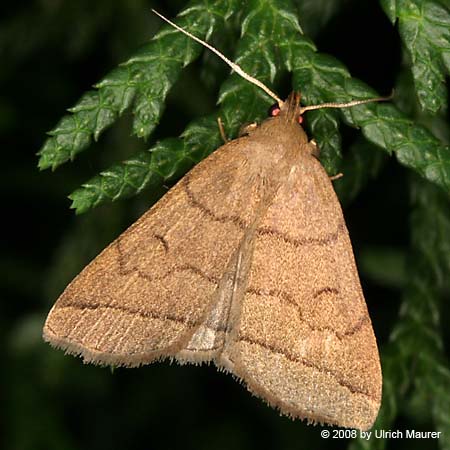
column 290, row 109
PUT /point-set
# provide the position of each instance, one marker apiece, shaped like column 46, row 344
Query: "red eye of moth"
column 274, row 111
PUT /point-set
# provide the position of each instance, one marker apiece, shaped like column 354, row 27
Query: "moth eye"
column 274, row 110
column 300, row 119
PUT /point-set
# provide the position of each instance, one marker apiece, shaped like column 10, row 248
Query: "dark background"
column 50, row 53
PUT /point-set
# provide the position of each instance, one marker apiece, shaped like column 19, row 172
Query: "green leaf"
column 362, row 163
column 143, row 81
column 430, row 223
column 438, row 387
column 424, row 27
column 323, row 124
column 323, row 79
column 390, row 8
column 315, row 14
column 127, row 178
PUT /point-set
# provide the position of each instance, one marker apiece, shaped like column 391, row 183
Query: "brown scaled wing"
column 305, row 341
column 147, row 293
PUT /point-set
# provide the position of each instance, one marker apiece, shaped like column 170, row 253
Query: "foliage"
column 164, row 93
column 271, row 41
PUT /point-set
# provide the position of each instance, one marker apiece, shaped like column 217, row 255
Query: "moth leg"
column 315, row 150
column 222, row 130
column 243, row 131
column 337, row 176
column 247, row 128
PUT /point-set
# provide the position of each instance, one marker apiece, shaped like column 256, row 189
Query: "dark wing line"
column 194, row 324
column 298, row 242
column 282, row 295
column 286, row 297
column 307, row 363
column 325, row 290
column 163, row 241
column 193, row 201
column 176, row 268
column 132, row 311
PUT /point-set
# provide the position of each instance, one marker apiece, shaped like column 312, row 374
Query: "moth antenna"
column 233, row 65
column 346, row 105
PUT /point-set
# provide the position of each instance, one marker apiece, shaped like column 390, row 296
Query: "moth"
column 247, row 263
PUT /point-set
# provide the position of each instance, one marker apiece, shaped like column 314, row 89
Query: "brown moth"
column 246, row 262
